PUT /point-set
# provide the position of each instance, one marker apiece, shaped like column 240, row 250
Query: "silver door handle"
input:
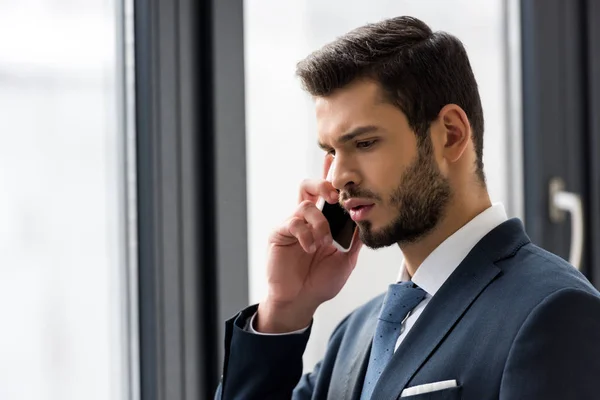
column 562, row 202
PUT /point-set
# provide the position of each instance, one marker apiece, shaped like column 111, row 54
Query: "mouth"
column 360, row 212
column 356, row 203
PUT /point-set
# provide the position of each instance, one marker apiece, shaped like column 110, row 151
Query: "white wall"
column 281, row 135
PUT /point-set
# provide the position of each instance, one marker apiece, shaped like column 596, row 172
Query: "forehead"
column 358, row 104
column 355, row 102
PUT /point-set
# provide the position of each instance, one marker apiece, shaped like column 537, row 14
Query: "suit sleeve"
column 556, row 354
column 262, row 367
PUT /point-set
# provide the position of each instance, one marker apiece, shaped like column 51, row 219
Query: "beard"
column 420, row 199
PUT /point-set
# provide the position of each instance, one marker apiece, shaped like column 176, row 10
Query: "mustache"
column 361, row 193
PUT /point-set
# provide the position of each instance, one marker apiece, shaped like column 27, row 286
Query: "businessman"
column 479, row 312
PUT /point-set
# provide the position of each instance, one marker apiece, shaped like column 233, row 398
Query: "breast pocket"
column 444, row 394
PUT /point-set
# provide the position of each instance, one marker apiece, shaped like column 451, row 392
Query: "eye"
column 366, row 144
column 331, row 152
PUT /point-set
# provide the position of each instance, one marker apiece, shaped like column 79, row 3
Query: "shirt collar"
column 442, row 262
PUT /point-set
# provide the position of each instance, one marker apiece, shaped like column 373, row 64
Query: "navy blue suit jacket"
column 512, row 322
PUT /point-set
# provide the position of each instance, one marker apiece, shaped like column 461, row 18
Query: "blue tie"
column 400, row 299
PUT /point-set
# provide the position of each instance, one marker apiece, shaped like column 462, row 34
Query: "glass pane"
column 281, row 132
column 62, row 237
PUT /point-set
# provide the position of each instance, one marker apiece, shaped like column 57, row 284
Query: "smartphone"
column 341, row 225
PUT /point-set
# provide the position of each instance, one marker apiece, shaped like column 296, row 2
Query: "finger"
column 303, row 233
column 317, row 221
column 312, row 189
column 327, row 165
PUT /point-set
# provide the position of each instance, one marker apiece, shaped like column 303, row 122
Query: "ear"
column 457, row 131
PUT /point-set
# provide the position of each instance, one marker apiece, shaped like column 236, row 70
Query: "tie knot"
column 400, row 299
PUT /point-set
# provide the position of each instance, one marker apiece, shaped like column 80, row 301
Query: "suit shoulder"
column 565, row 315
column 543, row 273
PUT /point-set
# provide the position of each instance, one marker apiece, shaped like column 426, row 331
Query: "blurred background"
column 147, row 149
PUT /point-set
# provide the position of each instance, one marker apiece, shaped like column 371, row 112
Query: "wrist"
column 275, row 317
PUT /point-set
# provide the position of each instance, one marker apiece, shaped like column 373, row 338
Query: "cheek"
column 382, row 169
column 378, row 176
column 387, row 172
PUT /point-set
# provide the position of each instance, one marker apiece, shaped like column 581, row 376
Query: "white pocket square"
column 428, row 387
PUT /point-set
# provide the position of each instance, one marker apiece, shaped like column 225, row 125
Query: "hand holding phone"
column 341, row 225
column 308, row 262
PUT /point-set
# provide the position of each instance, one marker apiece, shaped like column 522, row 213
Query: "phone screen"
column 341, row 225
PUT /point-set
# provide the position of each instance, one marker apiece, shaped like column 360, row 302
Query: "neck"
column 459, row 212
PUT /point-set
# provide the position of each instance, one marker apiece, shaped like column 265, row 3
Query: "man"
column 480, row 312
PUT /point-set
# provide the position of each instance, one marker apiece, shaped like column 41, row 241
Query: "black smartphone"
column 341, row 225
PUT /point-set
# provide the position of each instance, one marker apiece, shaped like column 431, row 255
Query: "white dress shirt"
column 439, row 265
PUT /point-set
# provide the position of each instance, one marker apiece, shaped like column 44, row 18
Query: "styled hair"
column 419, row 71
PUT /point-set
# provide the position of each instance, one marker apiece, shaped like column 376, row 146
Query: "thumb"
column 327, row 165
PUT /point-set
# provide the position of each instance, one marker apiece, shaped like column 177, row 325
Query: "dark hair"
column 420, row 71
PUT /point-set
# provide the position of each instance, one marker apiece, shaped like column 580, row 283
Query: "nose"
column 343, row 175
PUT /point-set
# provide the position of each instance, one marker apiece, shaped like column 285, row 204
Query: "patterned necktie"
column 400, row 299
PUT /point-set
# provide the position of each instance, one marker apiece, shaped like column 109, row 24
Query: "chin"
column 374, row 238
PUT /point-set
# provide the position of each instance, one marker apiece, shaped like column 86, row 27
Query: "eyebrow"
column 361, row 130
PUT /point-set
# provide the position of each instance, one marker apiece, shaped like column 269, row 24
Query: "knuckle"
column 302, row 190
column 306, row 205
column 305, row 185
column 324, row 187
column 275, row 235
column 295, row 222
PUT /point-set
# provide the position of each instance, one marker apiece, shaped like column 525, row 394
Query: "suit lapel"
column 348, row 377
column 441, row 314
column 358, row 366
column 444, row 310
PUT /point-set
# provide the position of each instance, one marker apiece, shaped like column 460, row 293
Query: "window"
column 64, row 264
